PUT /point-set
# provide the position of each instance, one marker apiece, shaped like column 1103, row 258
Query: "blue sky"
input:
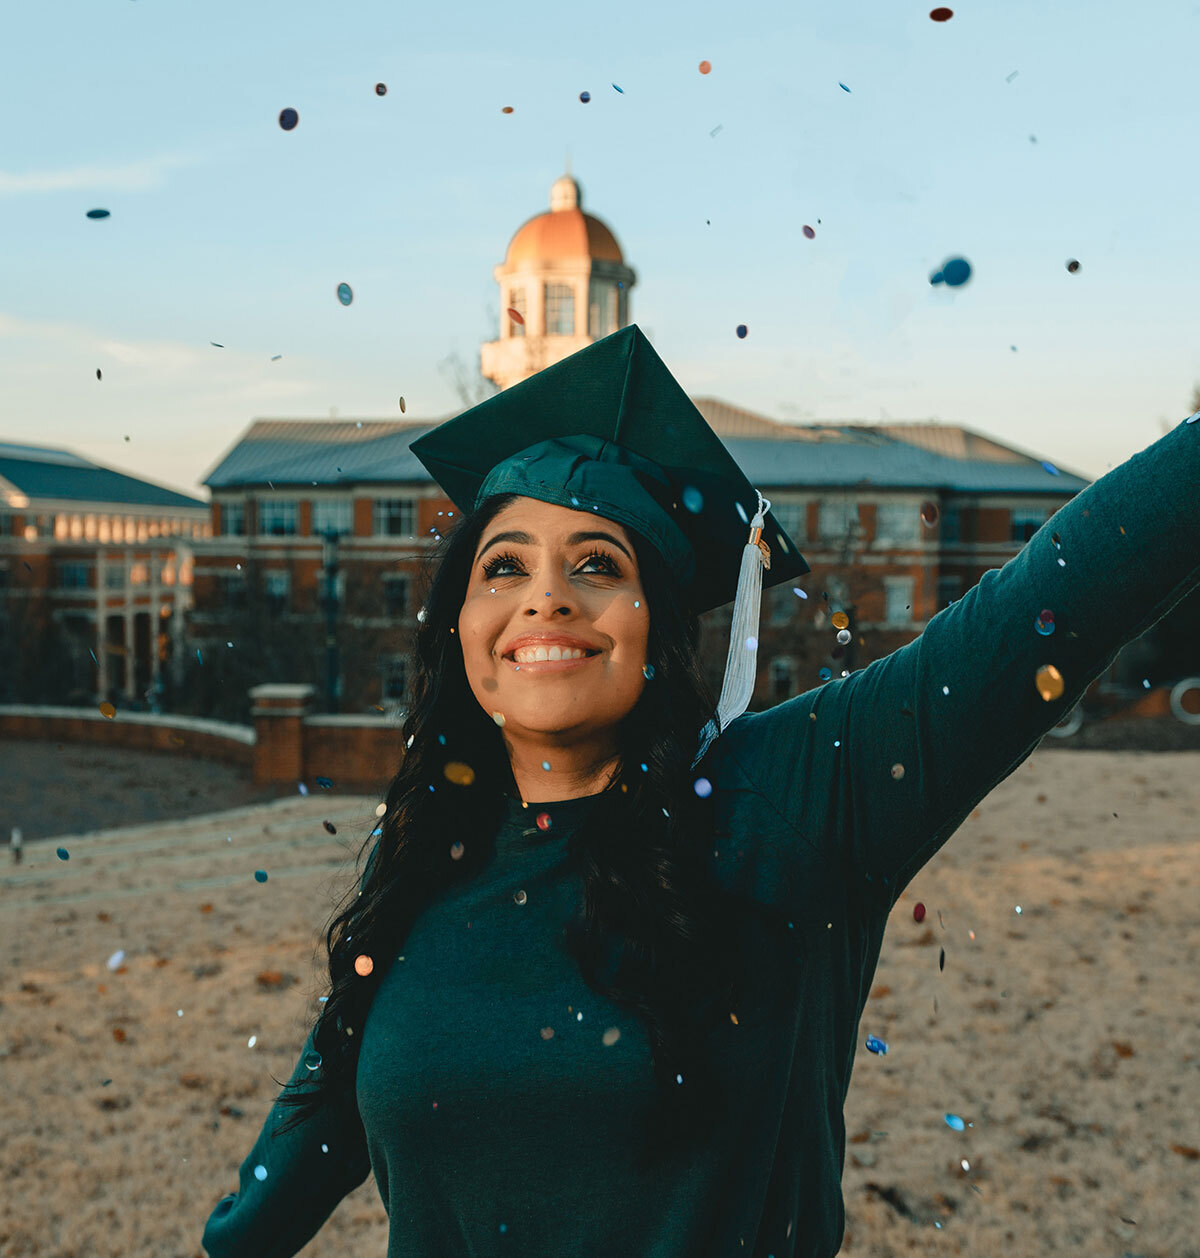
column 225, row 228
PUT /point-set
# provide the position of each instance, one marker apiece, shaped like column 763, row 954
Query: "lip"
column 568, row 642
column 551, row 666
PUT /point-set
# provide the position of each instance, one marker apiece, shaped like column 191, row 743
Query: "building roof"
column 833, row 454
column 565, row 231
column 41, row 472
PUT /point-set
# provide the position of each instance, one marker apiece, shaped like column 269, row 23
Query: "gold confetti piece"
column 840, row 620
column 1049, row 682
column 108, row 711
column 363, row 965
column 459, row 773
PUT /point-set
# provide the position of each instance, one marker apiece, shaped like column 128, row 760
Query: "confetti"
column 941, row 15
column 288, row 118
column 1049, row 682
column 1073, row 265
column 97, row 373
column 808, row 231
column 705, row 67
column 380, row 89
column 619, row 89
column 929, row 513
column 217, row 344
column 585, row 97
column 345, row 294
column 507, row 109
column 107, row 711
column 276, row 357
column 97, row 213
column 401, row 406
column 954, row 272
column 1012, row 76
column 742, row 330
column 843, row 87
column 516, row 316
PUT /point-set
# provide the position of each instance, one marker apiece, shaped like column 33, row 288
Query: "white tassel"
column 741, row 663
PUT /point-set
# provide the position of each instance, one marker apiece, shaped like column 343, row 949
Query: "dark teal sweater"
column 490, row 1136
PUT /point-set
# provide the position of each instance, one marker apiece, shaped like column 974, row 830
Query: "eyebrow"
column 524, row 539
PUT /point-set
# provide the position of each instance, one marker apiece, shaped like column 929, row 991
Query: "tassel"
column 741, row 663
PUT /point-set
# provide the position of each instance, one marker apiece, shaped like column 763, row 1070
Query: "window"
column 783, row 604
column 602, row 308
column 395, row 595
column 6, row 524
column 949, row 590
column 233, row 519
column 114, row 575
column 394, row 681
column 1026, row 522
column 793, row 519
column 516, row 301
column 560, row 310
column 72, row 576
column 277, row 517
column 139, row 573
column 899, row 600
column 897, row 522
column 395, row 517
column 836, row 516
column 951, row 524
column 332, row 513
column 233, row 590
column 782, row 679
column 277, row 586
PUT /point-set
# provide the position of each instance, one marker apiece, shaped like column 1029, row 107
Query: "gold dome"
column 564, row 232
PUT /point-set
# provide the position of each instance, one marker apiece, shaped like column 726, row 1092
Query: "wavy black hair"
column 647, row 901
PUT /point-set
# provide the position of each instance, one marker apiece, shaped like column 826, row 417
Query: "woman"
column 600, row 987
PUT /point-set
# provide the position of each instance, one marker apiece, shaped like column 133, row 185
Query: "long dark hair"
column 639, row 850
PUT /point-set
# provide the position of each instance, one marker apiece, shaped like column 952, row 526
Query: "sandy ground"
column 1063, row 1034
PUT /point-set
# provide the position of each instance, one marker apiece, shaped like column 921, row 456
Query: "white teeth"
column 531, row 655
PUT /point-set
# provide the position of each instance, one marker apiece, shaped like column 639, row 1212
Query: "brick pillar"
column 278, row 711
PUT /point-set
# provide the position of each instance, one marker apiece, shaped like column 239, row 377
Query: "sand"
column 1063, row 1034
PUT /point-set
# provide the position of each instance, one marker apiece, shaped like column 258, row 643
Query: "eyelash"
column 497, row 561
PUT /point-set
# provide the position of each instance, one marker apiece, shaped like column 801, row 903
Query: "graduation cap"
column 610, row 431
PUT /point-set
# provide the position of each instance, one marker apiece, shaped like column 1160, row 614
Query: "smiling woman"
column 556, row 590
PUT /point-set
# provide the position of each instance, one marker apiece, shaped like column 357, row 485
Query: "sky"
column 1016, row 135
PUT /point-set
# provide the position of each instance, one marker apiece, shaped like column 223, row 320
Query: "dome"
column 564, row 232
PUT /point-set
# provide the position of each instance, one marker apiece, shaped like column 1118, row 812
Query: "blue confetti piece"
column 937, row 278
column 97, row 213
column 585, row 97
column 953, row 1120
column 63, row 854
column 843, row 87
column 324, row 783
column 620, row 89
column 199, row 657
column 956, row 271
column 1051, row 468
column 345, row 294
column 876, row 1045
column 260, row 875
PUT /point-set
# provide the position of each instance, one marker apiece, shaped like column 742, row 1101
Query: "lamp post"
column 329, row 555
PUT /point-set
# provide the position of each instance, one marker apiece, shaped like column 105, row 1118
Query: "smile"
column 549, row 666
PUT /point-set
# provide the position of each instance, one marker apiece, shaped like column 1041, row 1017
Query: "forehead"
column 547, row 521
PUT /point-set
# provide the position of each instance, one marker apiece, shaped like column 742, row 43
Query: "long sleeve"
column 958, row 707
column 289, row 1186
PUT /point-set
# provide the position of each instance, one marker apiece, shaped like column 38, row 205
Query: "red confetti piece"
column 516, row 316
column 942, row 15
column 919, row 913
column 705, row 67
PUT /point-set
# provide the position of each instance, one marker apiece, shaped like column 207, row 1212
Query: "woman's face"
column 535, row 573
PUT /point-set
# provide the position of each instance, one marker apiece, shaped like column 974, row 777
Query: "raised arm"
column 958, row 707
